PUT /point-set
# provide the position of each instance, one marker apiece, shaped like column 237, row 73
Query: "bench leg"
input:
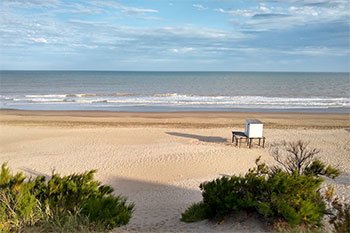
column 263, row 143
column 250, row 143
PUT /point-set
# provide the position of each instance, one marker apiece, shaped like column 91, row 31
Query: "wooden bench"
column 237, row 137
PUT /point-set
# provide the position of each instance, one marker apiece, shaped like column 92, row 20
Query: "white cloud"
column 123, row 8
column 220, row 10
column 317, row 51
column 136, row 10
column 238, row 12
column 34, row 2
column 182, row 50
column 288, row 14
column 25, row 4
column 72, row 7
column 265, row 9
column 86, row 7
column 39, row 40
column 199, row 7
column 198, row 32
column 305, row 10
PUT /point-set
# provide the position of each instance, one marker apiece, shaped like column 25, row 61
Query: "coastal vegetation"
column 287, row 195
column 70, row 203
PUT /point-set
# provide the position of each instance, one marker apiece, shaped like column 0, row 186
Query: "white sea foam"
column 175, row 99
column 45, row 96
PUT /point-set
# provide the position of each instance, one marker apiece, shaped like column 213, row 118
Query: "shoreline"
column 171, row 119
column 172, row 109
column 106, row 112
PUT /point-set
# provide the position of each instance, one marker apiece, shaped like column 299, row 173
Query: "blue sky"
column 217, row 35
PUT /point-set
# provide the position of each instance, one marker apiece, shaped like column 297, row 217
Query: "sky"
column 177, row 35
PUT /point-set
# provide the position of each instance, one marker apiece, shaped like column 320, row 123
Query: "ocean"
column 175, row 91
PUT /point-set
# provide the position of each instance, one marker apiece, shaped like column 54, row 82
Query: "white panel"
column 254, row 130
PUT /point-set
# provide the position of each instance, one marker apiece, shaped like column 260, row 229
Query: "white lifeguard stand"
column 253, row 128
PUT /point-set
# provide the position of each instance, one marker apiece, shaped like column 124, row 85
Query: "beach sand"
column 158, row 160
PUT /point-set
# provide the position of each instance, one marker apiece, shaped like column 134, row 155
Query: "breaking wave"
column 174, row 100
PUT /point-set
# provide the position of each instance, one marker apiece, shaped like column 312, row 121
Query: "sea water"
column 175, row 91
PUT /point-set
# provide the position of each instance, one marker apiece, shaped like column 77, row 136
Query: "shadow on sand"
column 199, row 137
column 34, row 173
column 158, row 208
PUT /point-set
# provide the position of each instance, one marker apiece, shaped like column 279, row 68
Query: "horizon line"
column 182, row 71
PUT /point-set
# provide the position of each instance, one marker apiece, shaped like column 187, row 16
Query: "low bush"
column 99, row 211
column 18, row 205
column 69, row 202
column 278, row 195
column 339, row 213
column 289, row 193
column 195, row 213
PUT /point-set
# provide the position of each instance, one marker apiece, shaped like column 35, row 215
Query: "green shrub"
column 318, row 167
column 70, row 202
column 80, row 193
column 279, row 195
column 340, row 216
column 18, row 205
column 289, row 193
column 70, row 193
column 295, row 198
column 64, row 223
column 108, row 212
column 195, row 213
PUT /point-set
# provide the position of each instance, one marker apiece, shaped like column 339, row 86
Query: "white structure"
column 253, row 128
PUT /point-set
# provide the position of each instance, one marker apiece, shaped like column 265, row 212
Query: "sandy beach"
column 158, row 160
